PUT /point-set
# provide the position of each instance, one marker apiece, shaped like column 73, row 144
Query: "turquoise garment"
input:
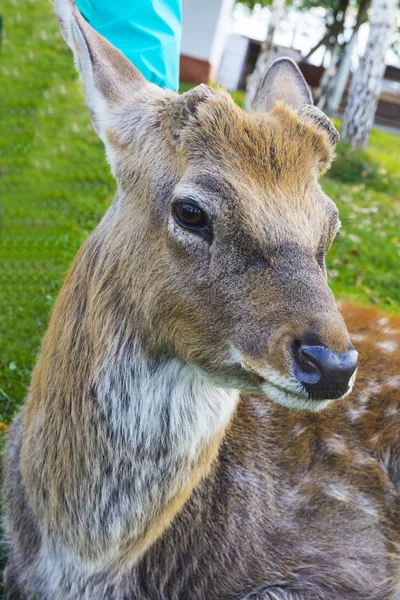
column 148, row 32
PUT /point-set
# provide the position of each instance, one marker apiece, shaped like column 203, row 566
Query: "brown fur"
column 330, row 488
column 128, row 473
column 269, row 516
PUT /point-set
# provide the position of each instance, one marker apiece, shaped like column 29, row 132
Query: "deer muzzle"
column 324, row 374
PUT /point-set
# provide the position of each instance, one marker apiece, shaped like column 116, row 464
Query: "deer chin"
column 287, row 392
column 285, row 389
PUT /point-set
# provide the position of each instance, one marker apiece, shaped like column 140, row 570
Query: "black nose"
column 325, row 374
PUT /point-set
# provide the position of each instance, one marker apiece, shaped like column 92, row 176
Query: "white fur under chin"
column 161, row 415
column 173, row 399
column 293, row 401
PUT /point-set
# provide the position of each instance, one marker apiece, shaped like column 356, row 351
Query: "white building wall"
column 232, row 62
column 204, row 30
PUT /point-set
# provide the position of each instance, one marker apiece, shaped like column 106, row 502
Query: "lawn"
column 55, row 185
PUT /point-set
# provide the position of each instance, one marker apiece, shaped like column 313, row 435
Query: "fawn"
column 156, row 456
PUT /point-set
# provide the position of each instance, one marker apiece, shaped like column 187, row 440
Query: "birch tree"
column 335, row 15
column 336, row 91
column 335, row 20
column 366, row 84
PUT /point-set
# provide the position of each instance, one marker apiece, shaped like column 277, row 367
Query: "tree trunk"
column 266, row 55
column 367, row 81
column 333, row 30
column 328, row 77
column 339, row 84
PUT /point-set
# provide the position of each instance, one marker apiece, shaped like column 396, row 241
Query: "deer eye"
column 190, row 216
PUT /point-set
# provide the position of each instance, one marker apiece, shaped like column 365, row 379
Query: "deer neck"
column 146, row 429
column 161, row 406
column 170, row 421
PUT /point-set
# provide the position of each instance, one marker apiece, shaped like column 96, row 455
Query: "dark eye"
column 189, row 215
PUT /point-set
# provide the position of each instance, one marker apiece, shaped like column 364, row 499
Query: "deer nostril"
column 306, row 369
column 325, row 374
column 305, row 363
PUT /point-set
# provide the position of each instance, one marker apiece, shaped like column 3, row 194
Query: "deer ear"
column 109, row 77
column 316, row 117
column 283, row 82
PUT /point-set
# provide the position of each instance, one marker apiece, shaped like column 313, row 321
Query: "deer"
column 191, row 429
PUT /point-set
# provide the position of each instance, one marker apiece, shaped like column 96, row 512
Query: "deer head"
column 214, row 248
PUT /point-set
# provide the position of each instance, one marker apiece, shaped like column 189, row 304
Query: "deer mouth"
column 292, row 399
column 284, row 389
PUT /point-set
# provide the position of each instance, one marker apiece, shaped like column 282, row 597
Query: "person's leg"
column 148, row 32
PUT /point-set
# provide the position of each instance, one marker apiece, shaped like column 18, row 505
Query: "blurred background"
column 55, row 184
column 223, row 41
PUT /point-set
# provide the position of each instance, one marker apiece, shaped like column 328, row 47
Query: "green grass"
column 364, row 264
column 55, row 185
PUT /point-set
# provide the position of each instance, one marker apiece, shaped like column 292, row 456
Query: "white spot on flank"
column 261, row 409
column 366, row 505
column 362, row 458
column 298, row 429
column 382, row 322
column 387, row 346
column 337, row 491
column 372, row 388
column 375, row 438
column 357, row 337
column 390, row 331
column 354, row 413
column 336, row 445
column 393, row 381
column 391, row 411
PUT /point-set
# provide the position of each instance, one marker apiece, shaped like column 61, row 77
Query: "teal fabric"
column 148, row 32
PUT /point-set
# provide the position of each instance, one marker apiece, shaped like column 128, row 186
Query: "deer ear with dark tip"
column 315, row 116
column 283, row 82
